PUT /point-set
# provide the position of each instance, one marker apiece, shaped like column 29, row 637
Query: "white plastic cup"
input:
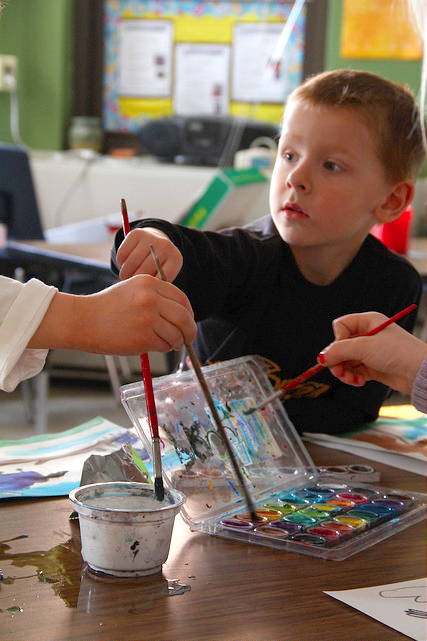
column 125, row 531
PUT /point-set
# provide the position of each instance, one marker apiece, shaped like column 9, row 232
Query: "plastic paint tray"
column 302, row 510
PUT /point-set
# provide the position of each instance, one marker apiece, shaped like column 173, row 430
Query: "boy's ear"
column 398, row 199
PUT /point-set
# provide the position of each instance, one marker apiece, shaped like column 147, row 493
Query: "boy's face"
column 327, row 181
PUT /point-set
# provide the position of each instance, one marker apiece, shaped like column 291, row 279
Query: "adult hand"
column 134, row 254
column 138, row 315
column 392, row 357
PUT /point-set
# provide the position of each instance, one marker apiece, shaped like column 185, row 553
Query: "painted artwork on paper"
column 52, row 464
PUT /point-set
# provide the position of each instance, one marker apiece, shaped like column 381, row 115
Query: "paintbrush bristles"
column 282, row 391
column 158, row 479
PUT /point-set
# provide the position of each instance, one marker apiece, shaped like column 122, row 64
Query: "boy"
column 350, row 150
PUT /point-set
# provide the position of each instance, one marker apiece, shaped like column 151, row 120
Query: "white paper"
column 368, row 451
column 253, row 79
column 201, row 79
column 401, row 606
column 145, row 58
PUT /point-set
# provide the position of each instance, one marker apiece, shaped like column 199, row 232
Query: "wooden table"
column 239, row 592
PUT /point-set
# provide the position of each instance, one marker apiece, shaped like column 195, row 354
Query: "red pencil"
column 149, row 395
column 316, row 368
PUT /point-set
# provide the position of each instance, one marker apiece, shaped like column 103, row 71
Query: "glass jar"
column 85, row 132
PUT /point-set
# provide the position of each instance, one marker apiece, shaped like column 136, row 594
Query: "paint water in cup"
column 125, row 531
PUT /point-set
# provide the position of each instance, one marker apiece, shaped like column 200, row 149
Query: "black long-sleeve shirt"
column 249, row 297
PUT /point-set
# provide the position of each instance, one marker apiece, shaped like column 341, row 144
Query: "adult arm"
column 22, row 308
column 419, row 391
column 139, row 315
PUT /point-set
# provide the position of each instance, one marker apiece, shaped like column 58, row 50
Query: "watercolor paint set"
column 299, row 507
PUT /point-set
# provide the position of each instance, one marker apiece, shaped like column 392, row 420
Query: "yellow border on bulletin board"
column 204, row 29
column 155, row 107
column 378, row 29
column 201, row 29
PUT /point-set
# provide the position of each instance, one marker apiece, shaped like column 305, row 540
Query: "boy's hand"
column 134, row 255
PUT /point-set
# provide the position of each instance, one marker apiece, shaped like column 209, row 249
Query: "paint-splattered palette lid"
column 266, row 445
column 297, row 509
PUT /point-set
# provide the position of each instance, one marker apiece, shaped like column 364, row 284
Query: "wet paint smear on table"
column 62, row 568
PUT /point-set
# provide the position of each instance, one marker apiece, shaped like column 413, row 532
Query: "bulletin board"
column 186, row 57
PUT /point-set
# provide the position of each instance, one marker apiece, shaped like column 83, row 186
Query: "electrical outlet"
column 8, row 72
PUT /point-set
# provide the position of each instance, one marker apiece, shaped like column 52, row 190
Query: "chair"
column 18, row 203
column 20, row 213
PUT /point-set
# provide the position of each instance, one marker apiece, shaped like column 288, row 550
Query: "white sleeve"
column 22, row 308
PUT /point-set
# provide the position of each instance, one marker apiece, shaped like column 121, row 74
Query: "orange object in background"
column 123, row 152
column 396, row 235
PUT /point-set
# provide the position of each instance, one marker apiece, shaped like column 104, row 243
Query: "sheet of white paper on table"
column 367, row 450
column 396, row 438
column 401, row 606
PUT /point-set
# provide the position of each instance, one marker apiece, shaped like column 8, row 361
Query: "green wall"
column 402, row 71
column 39, row 33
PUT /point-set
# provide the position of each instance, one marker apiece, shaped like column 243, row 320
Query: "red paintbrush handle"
column 149, row 395
column 125, row 218
column 302, row 377
column 391, row 320
column 145, row 363
column 316, row 368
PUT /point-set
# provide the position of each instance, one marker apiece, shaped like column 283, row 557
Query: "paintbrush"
column 149, row 396
column 318, row 367
column 213, row 409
